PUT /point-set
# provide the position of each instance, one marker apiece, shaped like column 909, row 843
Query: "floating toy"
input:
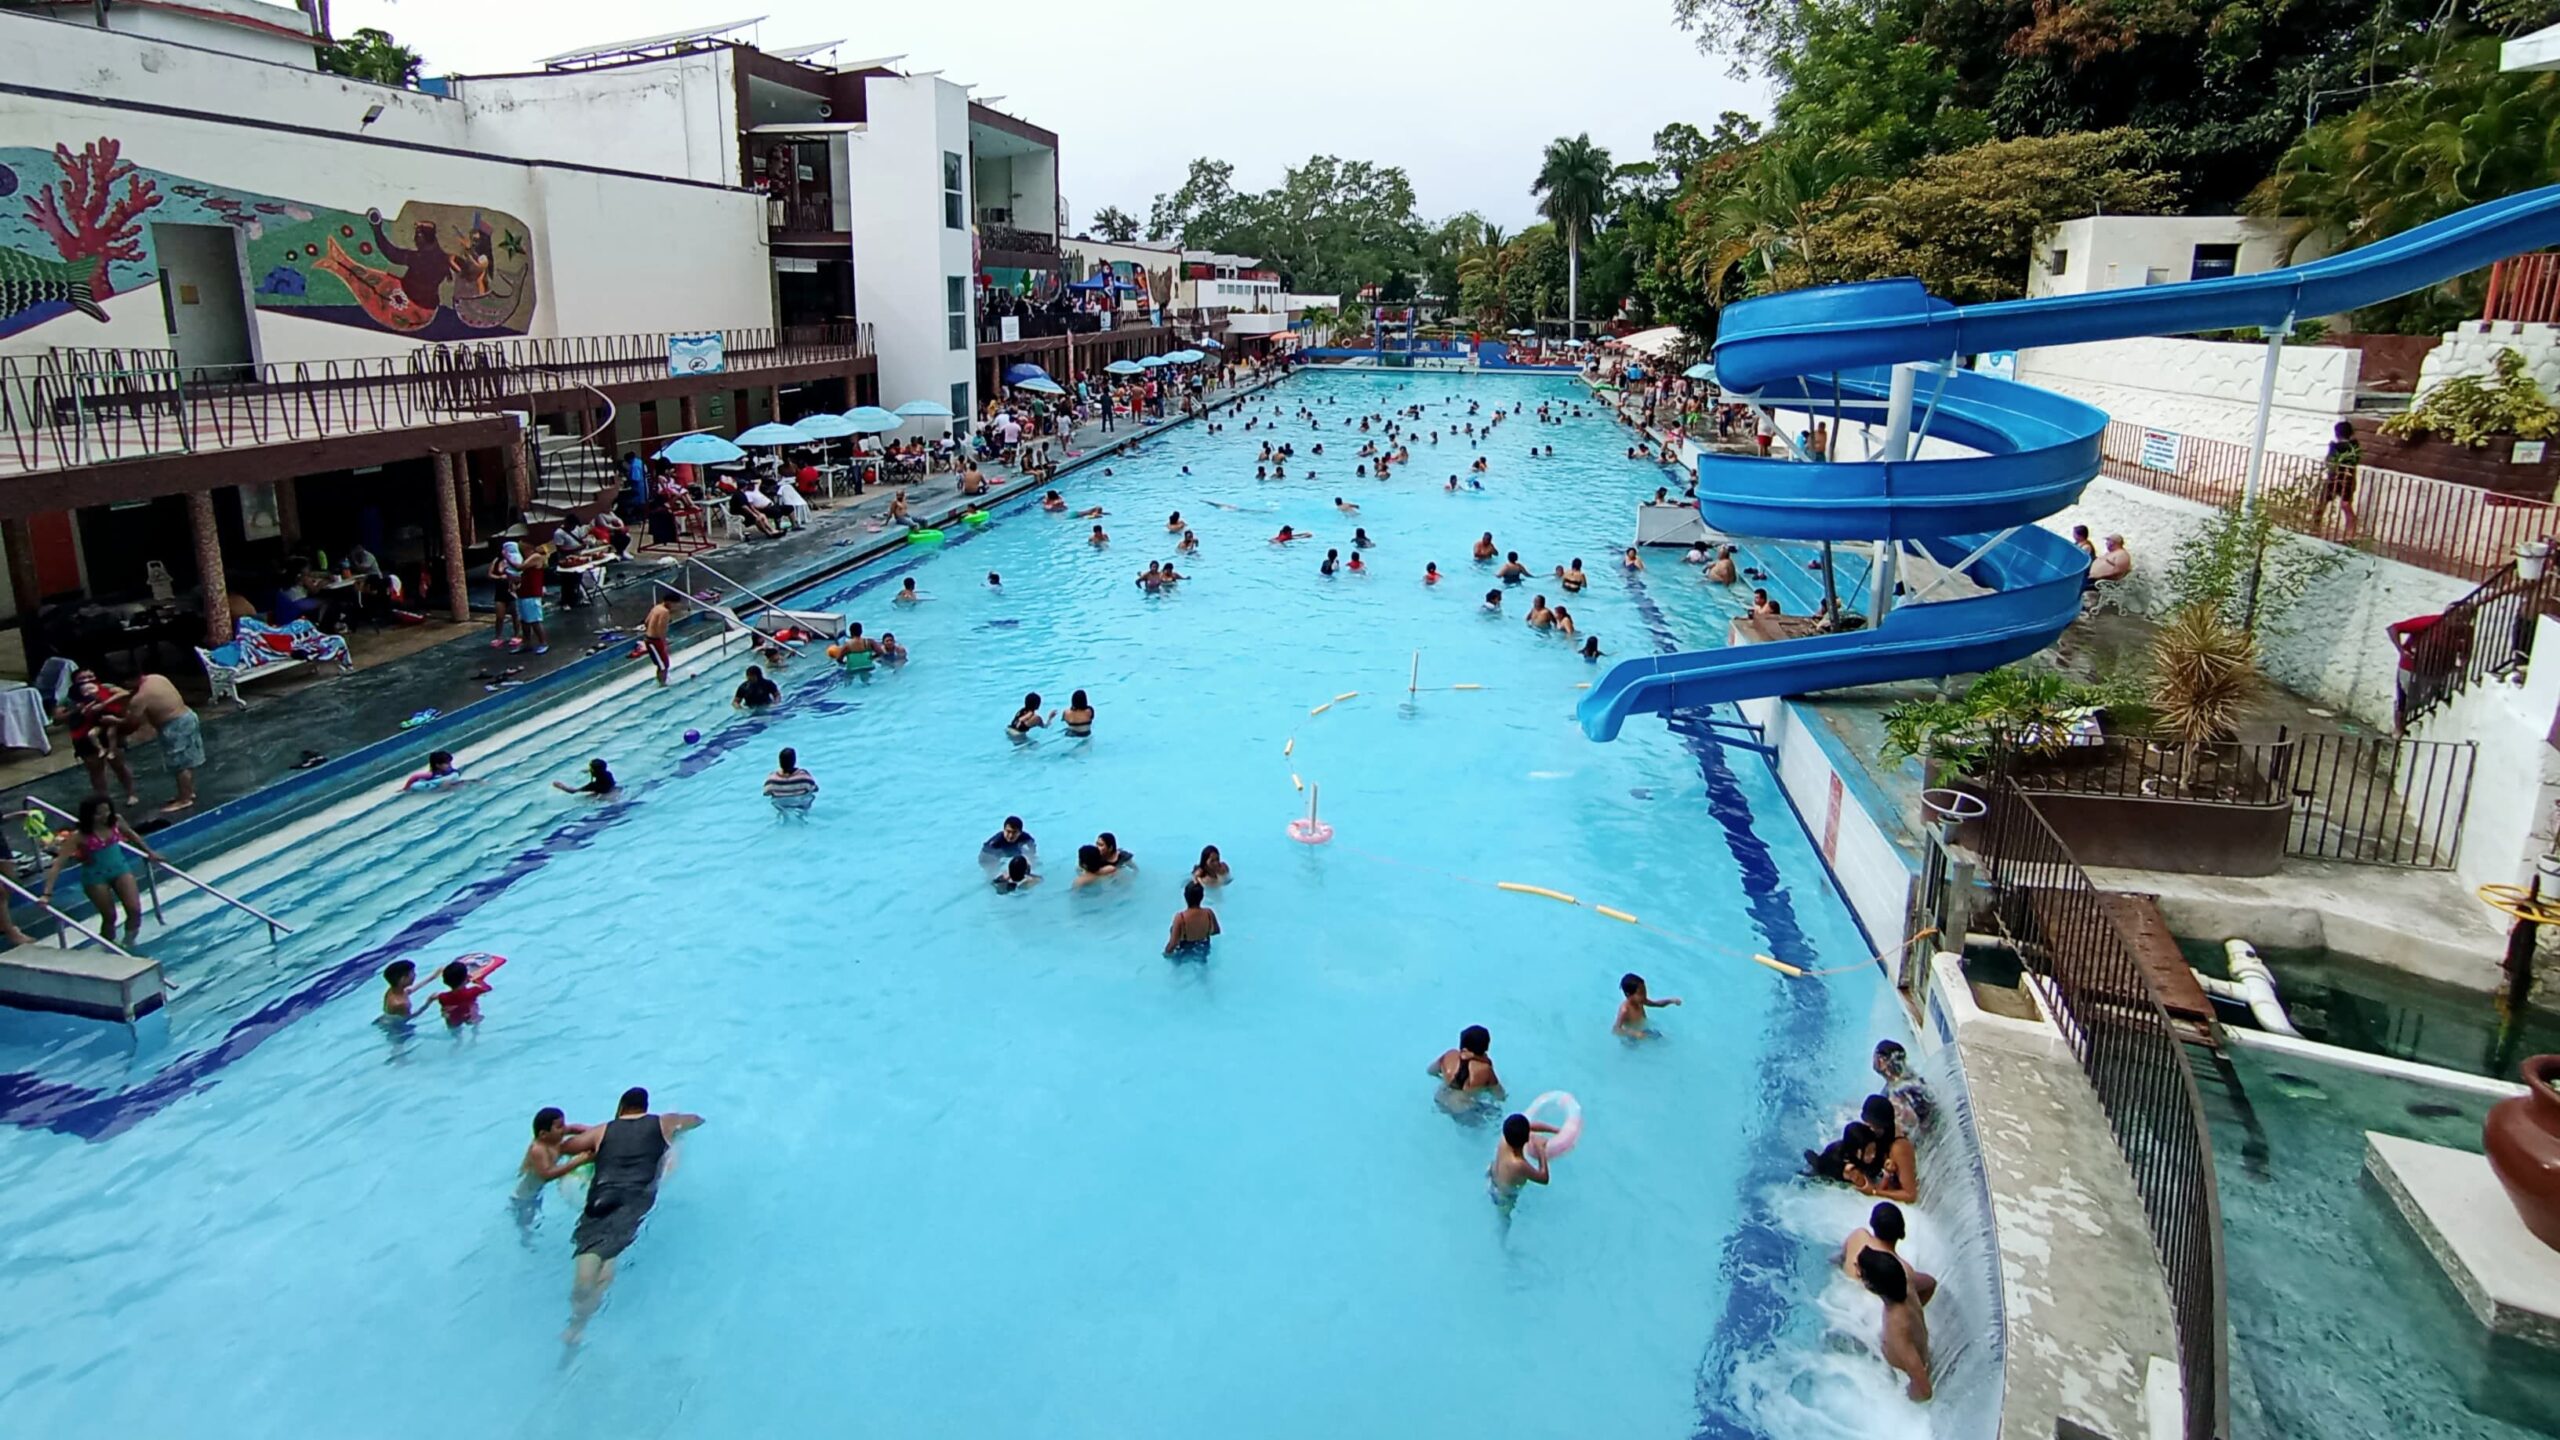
column 421, row 718
column 975, row 517
column 924, row 537
column 483, row 965
column 1560, row 1109
column 1307, row 829
column 1517, row 888
column 693, row 737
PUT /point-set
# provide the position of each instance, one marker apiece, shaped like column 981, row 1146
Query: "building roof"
column 670, row 42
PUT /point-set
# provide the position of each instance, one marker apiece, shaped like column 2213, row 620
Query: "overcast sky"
column 1463, row 94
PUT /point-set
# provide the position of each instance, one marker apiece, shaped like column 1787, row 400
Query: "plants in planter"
column 2204, row 681
column 2249, row 567
column 2035, row 712
column 2475, row 410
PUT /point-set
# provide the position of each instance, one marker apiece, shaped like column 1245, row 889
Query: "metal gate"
column 2380, row 799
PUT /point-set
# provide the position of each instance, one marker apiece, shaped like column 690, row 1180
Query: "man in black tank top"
column 629, row 1151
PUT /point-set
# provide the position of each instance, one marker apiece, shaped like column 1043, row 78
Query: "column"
column 457, row 578
column 519, row 475
column 288, row 512
column 18, row 542
column 215, row 586
column 687, row 420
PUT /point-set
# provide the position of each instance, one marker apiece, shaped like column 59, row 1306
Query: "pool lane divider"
column 30, row 1101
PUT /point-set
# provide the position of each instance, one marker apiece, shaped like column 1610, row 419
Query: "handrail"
column 61, row 921
column 737, row 621
column 767, row 602
column 276, row 929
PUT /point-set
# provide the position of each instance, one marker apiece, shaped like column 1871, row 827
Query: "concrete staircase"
column 571, row 478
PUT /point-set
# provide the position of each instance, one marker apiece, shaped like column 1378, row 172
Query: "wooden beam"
column 457, row 579
column 211, row 582
column 118, row 482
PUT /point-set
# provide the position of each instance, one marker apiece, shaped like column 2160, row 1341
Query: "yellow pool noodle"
column 1781, row 966
column 1289, row 749
column 1617, row 914
column 1466, row 687
column 1346, row 695
column 1296, row 782
column 1519, row 889
column 1321, row 708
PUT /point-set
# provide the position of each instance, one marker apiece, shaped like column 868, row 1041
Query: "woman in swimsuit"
column 1466, row 1072
column 1212, row 869
column 1173, row 523
column 1026, row 719
column 1078, row 716
column 1572, row 577
column 96, row 843
column 1634, row 560
column 1194, row 926
column 1564, row 622
column 1091, row 867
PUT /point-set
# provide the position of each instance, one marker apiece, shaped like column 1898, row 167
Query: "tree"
column 373, row 55
column 1963, row 223
column 1573, row 186
column 1765, row 219
column 1861, row 78
column 1115, row 225
column 1206, row 203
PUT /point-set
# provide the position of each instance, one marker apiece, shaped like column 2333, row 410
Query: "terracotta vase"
column 2522, row 1138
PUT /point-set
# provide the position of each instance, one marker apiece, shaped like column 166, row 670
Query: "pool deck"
column 356, row 719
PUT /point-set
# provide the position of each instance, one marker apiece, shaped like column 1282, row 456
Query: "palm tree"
column 1764, row 218
column 1573, row 186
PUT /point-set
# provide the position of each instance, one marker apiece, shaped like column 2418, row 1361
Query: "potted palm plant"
column 2204, row 681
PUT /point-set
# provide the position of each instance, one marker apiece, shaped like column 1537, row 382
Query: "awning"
column 1658, row 341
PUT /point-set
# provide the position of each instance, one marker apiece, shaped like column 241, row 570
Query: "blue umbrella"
column 1700, row 371
column 1042, row 386
column 925, row 410
column 1016, row 374
column 1153, row 362
column 1186, row 357
column 701, row 450
column 1125, row 367
column 823, row 426
column 872, row 420
column 763, row 435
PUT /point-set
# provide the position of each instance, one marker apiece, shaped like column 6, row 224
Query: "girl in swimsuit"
column 1027, row 718
column 96, row 843
column 1212, row 869
column 1078, row 716
column 1466, row 1077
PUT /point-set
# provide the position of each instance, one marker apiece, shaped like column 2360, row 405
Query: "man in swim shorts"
column 155, row 706
column 653, row 631
column 629, row 1152
column 1194, row 925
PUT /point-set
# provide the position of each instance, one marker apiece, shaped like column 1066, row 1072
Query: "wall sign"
column 2160, row 450
column 696, row 354
column 2527, row 452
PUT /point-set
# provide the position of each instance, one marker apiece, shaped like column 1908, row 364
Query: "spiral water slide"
column 1838, row 349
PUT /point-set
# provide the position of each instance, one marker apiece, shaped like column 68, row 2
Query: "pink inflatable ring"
column 1309, row 832
column 1560, row 1109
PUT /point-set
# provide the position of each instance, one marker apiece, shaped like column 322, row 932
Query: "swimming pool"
column 980, row 1163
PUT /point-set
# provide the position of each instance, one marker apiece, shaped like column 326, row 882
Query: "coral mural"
column 75, row 229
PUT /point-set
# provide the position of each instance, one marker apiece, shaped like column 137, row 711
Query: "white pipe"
column 2252, row 984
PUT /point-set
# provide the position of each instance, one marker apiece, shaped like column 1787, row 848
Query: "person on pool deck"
column 1078, row 716
column 1912, row 1107
column 1360, row 538
column 155, row 708
column 96, row 843
column 1493, row 601
column 1212, row 868
column 1026, row 719
column 1512, row 571
column 1897, row 1176
column 1906, row 1331
column 440, row 772
column 1540, row 617
column 755, row 692
column 1485, row 549
column 1564, row 622
column 1016, row 877
column 1572, row 576
column 1097, row 539
column 1467, row 1069
column 1514, row 1162
column 1009, row 840
column 93, row 709
column 600, row 781
column 1722, row 571
column 653, row 631
column 630, row 1153
column 460, row 997
column 1090, row 866
column 789, row 787
column 1431, row 572
column 1332, row 562
column 1631, row 1021
column 1194, row 926
column 907, row 594
column 1883, row 1231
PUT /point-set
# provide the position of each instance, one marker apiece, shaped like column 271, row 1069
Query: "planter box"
column 2177, row 836
column 2483, row 467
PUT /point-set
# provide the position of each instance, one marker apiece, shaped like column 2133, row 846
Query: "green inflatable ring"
column 975, row 517
column 924, row 537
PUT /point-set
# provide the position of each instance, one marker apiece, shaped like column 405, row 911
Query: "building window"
column 2215, row 262
column 956, row 300
column 2058, row 262
column 960, row 404
column 954, row 210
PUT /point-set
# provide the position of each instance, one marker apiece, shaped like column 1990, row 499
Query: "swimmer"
column 1564, row 622
column 1092, row 513
column 600, row 781
column 1173, row 522
column 1540, row 617
column 1467, row 1069
column 994, row 581
column 1485, row 549
column 1361, row 472
column 1112, row 854
column 1493, row 601
column 1512, row 571
column 1697, row 553
column 1169, row 575
column 1190, row 544
column 889, row 650
column 1194, row 926
column 1212, row 868
column 1721, row 572
column 755, row 692
column 1895, row 1170
column 1906, row 1331
column 1360, row 538
column 1518, row 1160
column 399, row 978
column 1026, row 719
column 1572, row 577
column 1010, row 839
column 1151, row 579
column 1631, row 1016
column 1634, row 561
column 1286, row 535
column 1883, row 1231
column 789, row 787
column 1591, row 647
column 440, row 771
column 1017, row 876
column 1452, row 486
column 1091, row 867
column 907, row 594
column 1761, row 604
column 1357, row 566
column 1053, row 502
column 1479, row 467
column 1345, row 506
column 1332, row 562
column 1078, row 716
column 630, row 1155
column 460, row 997
column 1431, row 572
column 1097, row 539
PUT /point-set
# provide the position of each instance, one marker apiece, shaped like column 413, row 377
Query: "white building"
column 2112, row 252
column 916, row 280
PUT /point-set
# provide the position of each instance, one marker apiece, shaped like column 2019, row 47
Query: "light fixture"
column 372, row 113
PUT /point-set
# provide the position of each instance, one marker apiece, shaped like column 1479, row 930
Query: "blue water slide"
column 1829, row 350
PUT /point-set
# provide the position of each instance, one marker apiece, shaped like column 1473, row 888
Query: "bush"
column 2476, row 409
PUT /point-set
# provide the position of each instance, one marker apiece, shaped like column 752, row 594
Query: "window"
column 956, row 301
column 959, row 404
column 954, row 210
column 2215, row 262
column 2057, row 262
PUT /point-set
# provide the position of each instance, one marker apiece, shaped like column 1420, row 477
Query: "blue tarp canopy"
column 1016, row 374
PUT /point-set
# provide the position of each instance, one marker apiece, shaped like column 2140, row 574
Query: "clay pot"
column 2522, row 1138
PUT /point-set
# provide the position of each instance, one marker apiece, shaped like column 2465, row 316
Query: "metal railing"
column 276, row 929
column 2381, row 799
column 2458, row 530
column 2487, row 632
column 993, row 235
column 806, row 212
column 2135, row 766
column 2109, row 1015
column 2524, row 287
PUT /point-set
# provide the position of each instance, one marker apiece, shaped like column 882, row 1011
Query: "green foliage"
column 2249, row 569
column 2204, row 678
column 1853, row 76
column 371, row 54
column 2029, row 710
column 1115, row 225
column 2475, row 409
column 1330, row 226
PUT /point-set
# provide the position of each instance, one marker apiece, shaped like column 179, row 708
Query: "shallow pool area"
column 990, row 1163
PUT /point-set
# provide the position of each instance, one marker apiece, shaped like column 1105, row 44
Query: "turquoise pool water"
column 980, row 1163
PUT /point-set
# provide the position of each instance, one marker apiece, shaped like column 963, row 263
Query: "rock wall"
column 2205, row 387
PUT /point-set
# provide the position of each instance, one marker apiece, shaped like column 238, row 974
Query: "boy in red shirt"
column 460, row 999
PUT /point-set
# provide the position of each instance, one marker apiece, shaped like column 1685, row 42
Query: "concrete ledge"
column 2509, row 1279
column 94, row 983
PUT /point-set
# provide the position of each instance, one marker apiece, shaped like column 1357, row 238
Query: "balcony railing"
column 70, row 408
column 2524, row 287
column 805, row 213
column 1045, row 326
column 994, row 236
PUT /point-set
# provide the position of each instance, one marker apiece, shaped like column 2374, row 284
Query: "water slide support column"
column 1897, row 447
column 2258, row 454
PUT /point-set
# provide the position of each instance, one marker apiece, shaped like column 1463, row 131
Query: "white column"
column 1897, row 447
column 2266, row 404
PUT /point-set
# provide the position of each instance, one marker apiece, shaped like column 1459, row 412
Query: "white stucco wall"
column 2338, row 653
column 2205, row 387
column 676, row 117
column 2112, row 252
column 906, row 253
column 2472, row 349
column 2507, row 822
